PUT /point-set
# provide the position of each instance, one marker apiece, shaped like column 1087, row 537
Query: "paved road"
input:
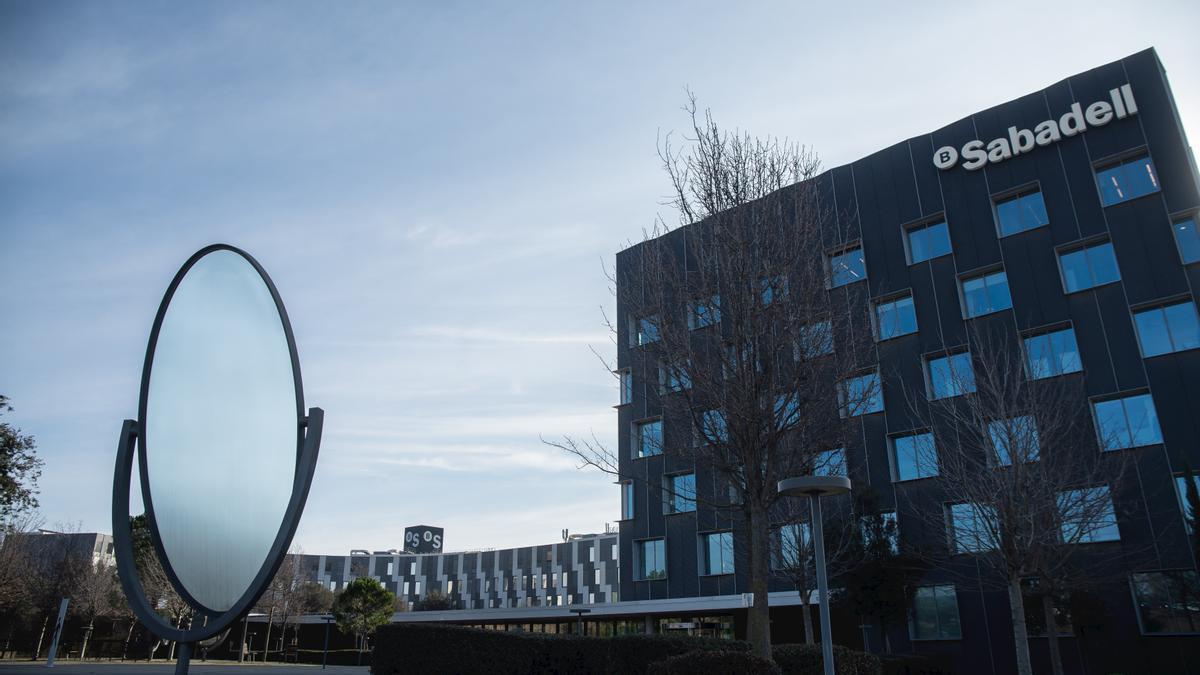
column 168, row 668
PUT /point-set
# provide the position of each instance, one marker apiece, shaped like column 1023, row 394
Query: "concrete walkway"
column 168, row 667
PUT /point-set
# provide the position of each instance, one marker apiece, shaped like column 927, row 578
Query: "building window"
column 895, row 317
column 405, row 591
column 1127, row 179
column 1185, row 508
column 927, row 241
column 626, row 378
column 935, row 614
column 647, row 438
column 412, row 569
column 790, row 545
column 1087, row 516
column 1020, row 212
column 1188, row 238
column 847, row 267
column 914, row 456
column 591, row 598
column 860, row 395
column 1166, row 329
column 882, row 526
column 596, row 574
column 717, row 548
column 680, row 493
column 787, row 410
column 1167, row 601
column 650, row 559
column 985, row 293
column 545, row 581
column 1051, row 354
column 972, row 527
column 1128, row 422
column 773, row 288
column 1012, row 439
column 592, row 553
column 416, row 588
column 1035, row 616
column 814, row 341
column 616, row 549
column 712, row 427
column 389, row 569
column 564, row 579
column 643, row 331
column 626, row 501
column 450, row 587
column 674, row 378
column 1088, row 267
column 950, row 375
column 704, row 312
column 830, row 463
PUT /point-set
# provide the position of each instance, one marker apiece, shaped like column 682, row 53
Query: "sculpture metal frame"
column 308, row 442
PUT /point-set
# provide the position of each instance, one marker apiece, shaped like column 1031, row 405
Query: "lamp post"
column 579, row 613
column 328, row 619
column 815, row 487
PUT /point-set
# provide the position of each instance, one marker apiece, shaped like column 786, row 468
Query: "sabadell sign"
column 975, row 154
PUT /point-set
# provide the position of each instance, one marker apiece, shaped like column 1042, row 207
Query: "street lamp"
column 579, row 613
column 328, row 619
column 815, row 487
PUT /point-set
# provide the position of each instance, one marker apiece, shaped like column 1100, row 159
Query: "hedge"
column 726, row 663
column 441, row 648
column 807, row 660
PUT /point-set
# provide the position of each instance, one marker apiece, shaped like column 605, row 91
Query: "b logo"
column 945, row 157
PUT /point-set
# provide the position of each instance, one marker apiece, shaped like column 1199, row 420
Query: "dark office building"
column 1066, row 218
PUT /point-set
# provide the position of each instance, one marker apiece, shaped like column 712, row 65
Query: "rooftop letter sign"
column 1077, row 120
column 225, row 451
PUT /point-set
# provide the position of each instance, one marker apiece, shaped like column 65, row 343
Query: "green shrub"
column 443, row 648
column 807, row 660
column 917, row 664
column 724, row 662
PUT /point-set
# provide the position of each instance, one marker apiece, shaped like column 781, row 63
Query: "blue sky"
column 435, row 189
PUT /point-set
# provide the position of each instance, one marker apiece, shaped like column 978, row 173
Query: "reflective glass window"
column 681, row 493
column 704, row 312
column 861, row 395
column 986, row 293
column 914, row 456
column 1051, row 354
column 718, row 552
column 935, row 614
column 790, row 545
column 647, row 438
column 1166, row 329
column 972, row 527
column 1167, row 601
column 1088, row 267
column 1021, row 212
column 1087, row 516
column 895, row 317
column 847, row 267
column 1188, row 238
column 626, row 501
column 1015, row 437
column 1126, row 180
column 951, row 375
column 928, row 241
column 814, row 340
column 1127, row 422
column 830, row 463
column 650, row 559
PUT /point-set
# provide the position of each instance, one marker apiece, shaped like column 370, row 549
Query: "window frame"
column 1120, row 160
column 892, row 299
column 912, row 616
column 1178, row 218
column 1064, row 523
column 1046, row 331
column 1162, row 306
column 639, row 553
column 703, row 557
column 927, row 361
column 628, row 495
column 952, row 530
column 843, row 409
column 838, row 252
column 669, row 494
column 1137, row 607
column 1083, row 246
column 1121, row 396
column 907, row 230
column 635, row 330
column 625, row 386
column 982, row 273
column 636, row 450
column 894, row 460
column 1018, row 193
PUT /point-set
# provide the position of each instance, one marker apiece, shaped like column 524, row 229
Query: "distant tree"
column 20, row 468
column 157, row 586
column 96, row 595
column 364, row 606
column 282, row 598
column 434, row 601
column 314, row 598
column 877, row 571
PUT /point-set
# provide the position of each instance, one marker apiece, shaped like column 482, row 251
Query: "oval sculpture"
column 221, row 426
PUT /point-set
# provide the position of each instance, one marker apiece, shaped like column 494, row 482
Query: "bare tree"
column 283, row 598
column 733, row 315
column 96, row 595
column 793, row 552
column 1022, row 474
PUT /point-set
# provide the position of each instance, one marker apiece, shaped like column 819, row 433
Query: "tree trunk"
column 758, row 618
column 87, row 634
column 806, row 610
column 1052, row 634
column 267, row 640
column 128, row 637
column 1016, row 608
